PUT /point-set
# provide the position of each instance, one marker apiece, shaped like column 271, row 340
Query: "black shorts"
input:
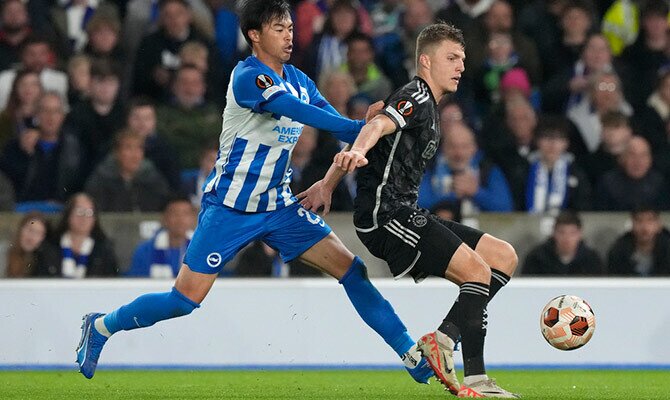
column 418, row 243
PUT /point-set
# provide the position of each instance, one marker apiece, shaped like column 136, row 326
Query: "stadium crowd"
column 115, row 106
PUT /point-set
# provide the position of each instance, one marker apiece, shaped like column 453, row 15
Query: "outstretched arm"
column 321, row 192
column 379, row 126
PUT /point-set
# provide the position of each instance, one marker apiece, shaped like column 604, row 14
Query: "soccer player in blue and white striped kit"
column 247, row 196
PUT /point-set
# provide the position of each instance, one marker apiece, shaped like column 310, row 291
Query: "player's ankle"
column 99, row 325
column 412, row 357
column 470, row 379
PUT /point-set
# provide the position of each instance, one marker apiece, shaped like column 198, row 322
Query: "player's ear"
column 254, row 35
column 424, row 60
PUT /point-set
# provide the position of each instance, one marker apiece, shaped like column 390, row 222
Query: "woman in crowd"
column 85, row 249
column 29, row 249
column 21, row 106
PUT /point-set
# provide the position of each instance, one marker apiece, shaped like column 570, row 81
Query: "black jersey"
column 397, row 162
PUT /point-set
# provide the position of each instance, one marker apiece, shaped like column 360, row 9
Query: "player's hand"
column 350, row 160
column 373, row 110
column 315, row 197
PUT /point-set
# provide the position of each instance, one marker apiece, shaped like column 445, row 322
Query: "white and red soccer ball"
column 567, row 322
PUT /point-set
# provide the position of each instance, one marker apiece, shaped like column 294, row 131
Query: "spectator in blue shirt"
column 461, row 173
column 162, row 255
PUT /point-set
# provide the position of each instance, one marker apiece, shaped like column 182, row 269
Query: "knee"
column 508, row 258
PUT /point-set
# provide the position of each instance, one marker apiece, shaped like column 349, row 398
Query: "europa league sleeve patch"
column 405, row 108
column 402, row 109
column 264, row 81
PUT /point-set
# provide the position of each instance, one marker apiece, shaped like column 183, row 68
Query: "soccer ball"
column 567, row 322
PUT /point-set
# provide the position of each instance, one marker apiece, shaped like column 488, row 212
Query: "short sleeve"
column 404, row 109
column 253, row 87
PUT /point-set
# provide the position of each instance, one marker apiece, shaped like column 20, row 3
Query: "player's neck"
column 434, row 89
column 275, row 64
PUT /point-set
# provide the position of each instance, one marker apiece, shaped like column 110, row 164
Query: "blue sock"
column 374, row 309
column 148, row 309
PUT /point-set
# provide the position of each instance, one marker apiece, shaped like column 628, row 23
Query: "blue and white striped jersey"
column 252, row 171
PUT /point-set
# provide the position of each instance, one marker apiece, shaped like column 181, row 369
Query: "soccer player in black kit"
column 391, row 153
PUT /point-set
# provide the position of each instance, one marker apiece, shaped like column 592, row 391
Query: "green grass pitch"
column 321, row 385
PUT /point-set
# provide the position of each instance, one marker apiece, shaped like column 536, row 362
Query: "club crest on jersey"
column 419, row 220
column 406, row 108
column 264, row 81
column 430, row 150
column 214, row 260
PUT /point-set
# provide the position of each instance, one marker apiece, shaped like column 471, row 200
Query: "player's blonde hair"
column 435, row 34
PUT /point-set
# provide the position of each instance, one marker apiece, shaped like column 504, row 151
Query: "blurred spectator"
column 499, row 19
column 162, row 255
column 643, row 58
column 463, row 13
column 188, row 119
column 577, row 23
column 462, row 173
column 569, row 86
column 14, row 29
column 309, row 165
column 634, row 182
column 488, row 78
column 157, row 55
column 369, row 79
column 328, row 50
column 193, row 185
column 448, row 210
column 70, row 19
column 21, row 107
column 197, row 55
column 357, row 106
column 645, row 249
column 79, row 76
column 615, row 135
column 337, row 87
column 555, row 182
column 651, row 121
column 30, row 250
column 510, row 146
column 605, row 94
column 85, row 250
column 143, row 17
column 386, row 16
column 6, row 193
column 36, row 56
column 565, row 252
column 44, row 162
column 97, row 119
column 142, row 120
column 126, row 181
column 539, row 20
column 311, row 16
column 418, row 14
column 620, row 25
column 227, row 34
column 104, row 34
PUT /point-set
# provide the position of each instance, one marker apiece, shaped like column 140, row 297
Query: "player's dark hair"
column 436, row 33
column 256, row 13
column 614, row 119
column 568, row 217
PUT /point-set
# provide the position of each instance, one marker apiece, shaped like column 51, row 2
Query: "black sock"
column 472, row 302
column 498, row 280
column 450, row 323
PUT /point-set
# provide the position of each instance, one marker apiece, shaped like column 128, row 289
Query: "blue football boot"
column 90, row 345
